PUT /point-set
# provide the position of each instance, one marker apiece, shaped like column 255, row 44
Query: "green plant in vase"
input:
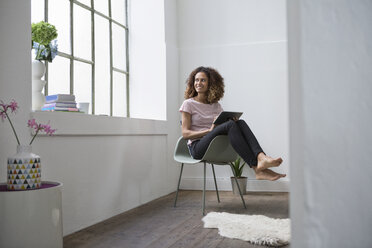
column 237, row 167
column 43, row 40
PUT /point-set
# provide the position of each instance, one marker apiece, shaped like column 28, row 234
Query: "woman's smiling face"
column 201, row 82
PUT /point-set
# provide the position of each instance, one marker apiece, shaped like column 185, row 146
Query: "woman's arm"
column 189, row 134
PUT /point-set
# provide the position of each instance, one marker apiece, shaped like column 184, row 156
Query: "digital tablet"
column 227, row 115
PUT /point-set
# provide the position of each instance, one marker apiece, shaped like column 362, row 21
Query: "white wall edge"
column 95, row 125
column 224, row 184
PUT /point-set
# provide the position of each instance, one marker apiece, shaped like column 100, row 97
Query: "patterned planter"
column 24, row 170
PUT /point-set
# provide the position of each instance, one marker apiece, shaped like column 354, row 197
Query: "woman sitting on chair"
column 205, row 87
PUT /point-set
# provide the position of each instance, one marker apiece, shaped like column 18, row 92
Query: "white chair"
column 219, row 152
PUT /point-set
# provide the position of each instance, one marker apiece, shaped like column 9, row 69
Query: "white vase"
column 24, row 170
column 38, row 98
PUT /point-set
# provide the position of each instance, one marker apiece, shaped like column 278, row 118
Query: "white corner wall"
column 103, row 175
column 330, row 61
column 246, row 41
column 15, row 71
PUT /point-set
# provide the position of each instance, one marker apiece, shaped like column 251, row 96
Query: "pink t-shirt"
column 202, row 114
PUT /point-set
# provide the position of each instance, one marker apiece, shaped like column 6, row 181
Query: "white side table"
column 31, row 218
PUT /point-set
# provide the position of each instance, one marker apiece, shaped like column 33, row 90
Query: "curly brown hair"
column 216, row 86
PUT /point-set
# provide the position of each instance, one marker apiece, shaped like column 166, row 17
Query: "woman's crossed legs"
column 245, row 144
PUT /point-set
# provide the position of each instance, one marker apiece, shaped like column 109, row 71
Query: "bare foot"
column 264, row 162
column 268, row 174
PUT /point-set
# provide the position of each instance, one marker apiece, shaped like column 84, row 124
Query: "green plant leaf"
column 238, row 169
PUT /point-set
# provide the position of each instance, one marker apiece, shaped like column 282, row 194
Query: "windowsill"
column 94, row 125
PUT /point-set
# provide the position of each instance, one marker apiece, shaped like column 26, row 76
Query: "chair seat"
column 218, row 152
column 187, row 159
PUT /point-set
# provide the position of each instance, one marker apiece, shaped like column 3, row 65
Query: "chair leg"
column 204, row 189
column 215, row 183
column 178, row 187
column 236, row 181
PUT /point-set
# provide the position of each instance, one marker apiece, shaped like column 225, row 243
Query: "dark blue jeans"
column 241, row 138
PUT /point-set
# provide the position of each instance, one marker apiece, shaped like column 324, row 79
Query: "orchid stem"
column 37, row 131
column 11, row 124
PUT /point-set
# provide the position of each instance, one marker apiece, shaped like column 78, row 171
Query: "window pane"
column 101, row 6
column 59, row 76
column 86, row 2
column 83, row 83
column 119, row 95
column 59, row 16
column 118, row 43
column 102, row 66
column 82, row 33
column 118, row 11
column 37, row 11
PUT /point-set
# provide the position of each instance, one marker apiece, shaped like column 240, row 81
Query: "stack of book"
column 60, row 102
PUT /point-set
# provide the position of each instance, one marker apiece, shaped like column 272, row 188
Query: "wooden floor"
column 158, row 224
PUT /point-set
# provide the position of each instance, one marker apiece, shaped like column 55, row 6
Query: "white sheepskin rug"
column 256, row 229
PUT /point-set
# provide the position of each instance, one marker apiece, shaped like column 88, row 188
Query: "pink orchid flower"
column 32, row 123
column 13, row 106
column 48, row 130
column 40, row 128
column 4, row 114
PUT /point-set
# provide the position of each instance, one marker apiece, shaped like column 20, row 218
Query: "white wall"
column 15, row 72
column 172, row 72
column 330, row 80
column 246, row 41
column 103, row 175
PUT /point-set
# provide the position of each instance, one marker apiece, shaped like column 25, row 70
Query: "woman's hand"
column 213, row 125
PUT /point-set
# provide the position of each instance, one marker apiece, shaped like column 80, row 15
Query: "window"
column 92, row 61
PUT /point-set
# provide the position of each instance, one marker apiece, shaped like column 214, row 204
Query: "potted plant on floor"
column 237, row 168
